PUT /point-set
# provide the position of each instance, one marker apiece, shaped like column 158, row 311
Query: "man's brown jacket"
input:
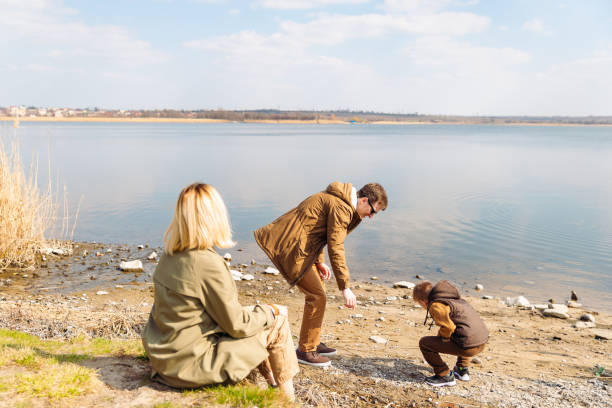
column 295, row 240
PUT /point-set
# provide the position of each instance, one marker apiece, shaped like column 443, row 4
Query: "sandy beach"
column 530, row 361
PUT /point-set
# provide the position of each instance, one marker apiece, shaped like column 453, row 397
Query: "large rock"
column 404, row 284
column 131, row 266
column 603, row 334
column 517, row 301
column 559, row 308
column 584, row 325
column 572, row 303
column 555, row 313
column 237, row 275
column 248, row 277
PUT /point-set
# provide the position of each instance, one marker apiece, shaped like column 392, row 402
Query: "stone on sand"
column 131, row 266
column 404, row 284
column 378, row 339
column 271, row 271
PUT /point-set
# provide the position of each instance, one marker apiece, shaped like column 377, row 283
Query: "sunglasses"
column 372, row 211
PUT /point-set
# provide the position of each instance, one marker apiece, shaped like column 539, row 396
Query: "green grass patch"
column 248, row 396
column 57, row 382
column 50, row 368
column 167, row 404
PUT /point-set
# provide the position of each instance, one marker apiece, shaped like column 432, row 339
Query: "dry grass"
column 26, row 211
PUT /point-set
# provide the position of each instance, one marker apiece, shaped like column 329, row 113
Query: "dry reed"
column 26, row 211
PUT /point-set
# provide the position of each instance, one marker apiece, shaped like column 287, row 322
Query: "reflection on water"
column 504, row 206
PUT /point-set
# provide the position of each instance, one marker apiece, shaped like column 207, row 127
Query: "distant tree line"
column 287, row 115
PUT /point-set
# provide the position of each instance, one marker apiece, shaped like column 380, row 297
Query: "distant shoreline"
column 288, row 121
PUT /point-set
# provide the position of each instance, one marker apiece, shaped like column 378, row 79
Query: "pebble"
column 108, row 251
column 476, row 360
column 140, row 246
column 587, row 317
column 391, row 298
column 152, row 256
column 101, row 292
column 374, row 278
column 227, row 256
column 572, row 303
column 479, row 287
column 378, row 339
column 99, row 253
column 381, row 319
column 404, row 284
column 357, row 316
column 237, row 275
column 488, row 297
column 271, row 271
column 131, row 266
column 253, row 262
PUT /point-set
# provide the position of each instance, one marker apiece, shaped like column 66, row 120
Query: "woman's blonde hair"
column 200, row 221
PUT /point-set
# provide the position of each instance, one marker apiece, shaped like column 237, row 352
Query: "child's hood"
column 444, row 290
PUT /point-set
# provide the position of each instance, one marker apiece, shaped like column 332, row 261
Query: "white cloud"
column 305, row 4
column 49, row 22
column 234, row 12
column 39, row 68
column 423, row 6
column 338, row 29
column 534, row 25
column 579, row 87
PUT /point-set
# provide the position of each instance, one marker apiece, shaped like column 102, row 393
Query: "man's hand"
column 324, row 271
column 349, row 298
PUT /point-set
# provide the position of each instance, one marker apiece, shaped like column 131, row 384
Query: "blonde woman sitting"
column 198, row 333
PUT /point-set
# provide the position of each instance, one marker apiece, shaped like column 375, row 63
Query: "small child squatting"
column 462, row 332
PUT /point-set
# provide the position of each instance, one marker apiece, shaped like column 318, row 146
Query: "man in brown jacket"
column 294, row 242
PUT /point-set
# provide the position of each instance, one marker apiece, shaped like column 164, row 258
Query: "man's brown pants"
column 313, row 288
column 431, row 346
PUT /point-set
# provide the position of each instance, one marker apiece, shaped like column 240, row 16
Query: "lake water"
column 520, row 209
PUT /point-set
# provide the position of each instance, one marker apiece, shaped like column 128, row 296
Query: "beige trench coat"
column 295, row 240
column 197, row 332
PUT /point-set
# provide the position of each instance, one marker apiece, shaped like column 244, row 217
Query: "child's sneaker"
column 461, row 373
column 438, row 381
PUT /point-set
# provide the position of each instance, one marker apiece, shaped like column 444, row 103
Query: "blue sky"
column 514, row 57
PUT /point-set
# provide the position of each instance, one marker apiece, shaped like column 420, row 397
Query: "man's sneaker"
column 312, row 358
column 461, row 373
column 437, row 381
column 323, row 350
